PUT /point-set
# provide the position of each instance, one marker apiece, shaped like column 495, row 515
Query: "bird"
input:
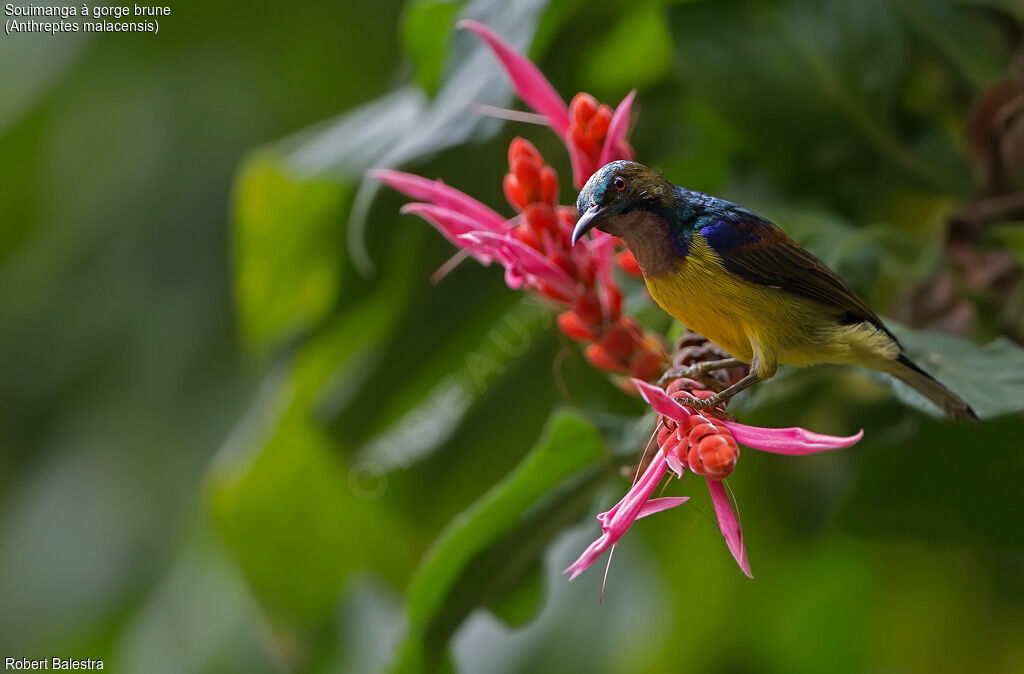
column 737, row 279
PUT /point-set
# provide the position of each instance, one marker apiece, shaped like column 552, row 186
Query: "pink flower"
column 439, row 194
column 487, row 236
column 591, row 142
column 636, row 503
column 525, row 265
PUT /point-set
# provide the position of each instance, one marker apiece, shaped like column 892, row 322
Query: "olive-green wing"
column 760, row 252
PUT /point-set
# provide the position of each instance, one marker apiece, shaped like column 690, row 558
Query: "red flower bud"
column 563, row 261
column 528, row 175
column 582, row 107
column 612, row 302
column 706, row 446
column 618, row 341
column 597, row 129
column 552, row 294
column 548, row 185
column 514, row 192
column 574, row 327
column 521, row 149
column 646, row 366
column 699, row 430
column 541, row 218
column 588, row 308
column 713, row 456
column 602, row 360
column 628, row 264
column 586, row 271
column 632, row 327
column 527, row 236
column 583, row 141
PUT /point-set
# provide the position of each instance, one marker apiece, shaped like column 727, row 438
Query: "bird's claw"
column 675, row 372
column 704, row 404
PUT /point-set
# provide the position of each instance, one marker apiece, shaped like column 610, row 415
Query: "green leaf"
column 990, row 378
column 635, row 53
column 522, row 600
column 287, row 258
column 446, row 368
column 294, row 516
column 498, row 539
column 288, row 507
column 426, row 34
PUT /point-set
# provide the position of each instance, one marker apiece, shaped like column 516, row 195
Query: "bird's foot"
column 675, row 372
column 697, row 370
column 704, row 403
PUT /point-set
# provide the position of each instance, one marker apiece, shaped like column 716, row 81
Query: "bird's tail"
column 948, row 402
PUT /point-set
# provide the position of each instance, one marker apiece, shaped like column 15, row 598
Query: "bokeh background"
column 242, row 431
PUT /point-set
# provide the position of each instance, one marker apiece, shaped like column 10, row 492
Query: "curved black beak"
column 587, row 221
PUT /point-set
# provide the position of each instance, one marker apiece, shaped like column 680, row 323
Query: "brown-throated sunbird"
column 738, row 280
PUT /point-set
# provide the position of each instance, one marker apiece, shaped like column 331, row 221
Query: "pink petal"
column 602, row 251
column 729, row 524
column 792, row 441
column 614, row 141
column 661, row 402
column 528, row 81
column 437, row 192
column 523, row 260
column 616, row 521
column 582, row 166
column 625, row 512
column 656, row 505
column 675, row 465
column 452, row 224
column 589, row 556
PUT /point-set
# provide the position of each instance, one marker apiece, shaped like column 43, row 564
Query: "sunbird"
column 737, row 279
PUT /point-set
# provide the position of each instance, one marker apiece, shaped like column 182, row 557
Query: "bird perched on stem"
column 737, row 279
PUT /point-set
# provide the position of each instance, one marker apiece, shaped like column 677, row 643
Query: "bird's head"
column 618, row 196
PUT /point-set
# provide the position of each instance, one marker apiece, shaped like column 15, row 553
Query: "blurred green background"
column 242, row 431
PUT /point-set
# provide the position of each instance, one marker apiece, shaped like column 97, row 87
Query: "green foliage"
column 989, row 378
column 286, row 278
column 289, row 509
column 293, row 521
column 635, row 53
column 426, row 33
column 488, row 546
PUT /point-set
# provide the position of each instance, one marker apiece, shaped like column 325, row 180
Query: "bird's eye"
column 619, row 183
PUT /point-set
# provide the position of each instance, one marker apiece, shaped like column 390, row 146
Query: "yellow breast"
column 756, row 322
column 701, row 295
